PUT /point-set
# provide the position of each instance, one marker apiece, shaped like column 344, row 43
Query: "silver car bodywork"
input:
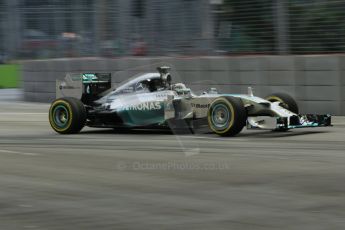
column 135, row 104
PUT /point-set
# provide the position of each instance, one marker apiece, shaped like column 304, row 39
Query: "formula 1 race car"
column 151, row 99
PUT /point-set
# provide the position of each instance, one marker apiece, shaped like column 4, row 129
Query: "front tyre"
column 227, row 116
column 286, row 101
column 67, row 115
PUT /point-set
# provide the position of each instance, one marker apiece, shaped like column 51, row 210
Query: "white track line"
column 20, row 153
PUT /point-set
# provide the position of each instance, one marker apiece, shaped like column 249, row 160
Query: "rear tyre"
column 227, row 116
column 67, row 115
column 286, row 101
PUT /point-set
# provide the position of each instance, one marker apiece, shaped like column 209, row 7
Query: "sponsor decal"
column 200, row 106
column 144, row 106
column 64, row 86
column 162, row 95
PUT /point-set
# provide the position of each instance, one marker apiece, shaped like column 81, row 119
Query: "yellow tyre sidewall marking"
column 275, row 98
column 232, row 116
column 51, row 119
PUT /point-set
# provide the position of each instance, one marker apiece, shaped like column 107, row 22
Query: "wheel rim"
column 220, row 117
column 60, row 116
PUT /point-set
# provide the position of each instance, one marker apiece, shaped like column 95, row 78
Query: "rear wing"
column 84, row 86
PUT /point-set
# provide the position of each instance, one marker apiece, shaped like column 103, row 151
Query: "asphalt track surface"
column 101, row 179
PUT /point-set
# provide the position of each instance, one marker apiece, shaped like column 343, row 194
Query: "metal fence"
column 113, row 28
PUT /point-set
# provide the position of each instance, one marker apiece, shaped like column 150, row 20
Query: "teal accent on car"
column 133, row 117
column 304, row 125
column 89, row 78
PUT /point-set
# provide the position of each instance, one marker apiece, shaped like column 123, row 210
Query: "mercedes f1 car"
column 152, row 99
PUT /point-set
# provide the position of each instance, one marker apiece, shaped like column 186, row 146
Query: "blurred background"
column 39, row 29
column 291, row 46
column 119, row 179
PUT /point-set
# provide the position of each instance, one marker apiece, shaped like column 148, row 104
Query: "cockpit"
column 149, row 82
column 150, row 85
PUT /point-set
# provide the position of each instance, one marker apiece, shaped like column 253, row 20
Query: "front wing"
column 292, row 122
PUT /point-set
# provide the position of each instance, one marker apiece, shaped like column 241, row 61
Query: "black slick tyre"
column 227, row 116
column 286, row 101
column 67, row 115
